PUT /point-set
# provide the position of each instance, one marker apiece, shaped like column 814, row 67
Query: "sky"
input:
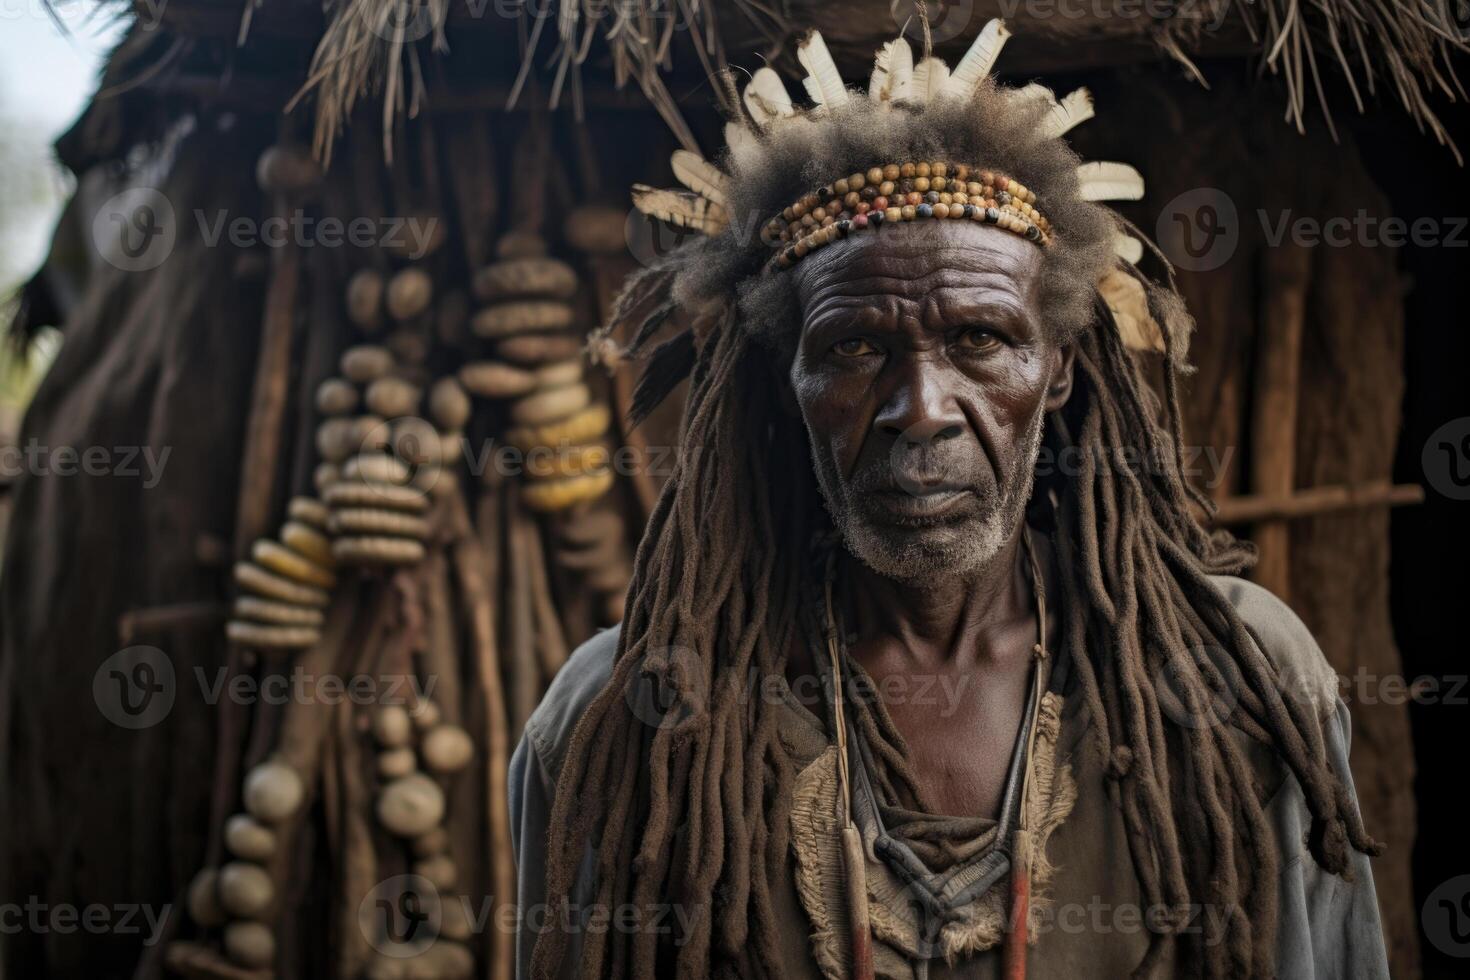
column 46, row 77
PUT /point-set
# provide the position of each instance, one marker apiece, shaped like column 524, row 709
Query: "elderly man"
column 927, row 669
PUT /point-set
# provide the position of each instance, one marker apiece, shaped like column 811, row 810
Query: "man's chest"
column 959, row 726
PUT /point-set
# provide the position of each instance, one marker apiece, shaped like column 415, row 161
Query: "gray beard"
column 913, row 560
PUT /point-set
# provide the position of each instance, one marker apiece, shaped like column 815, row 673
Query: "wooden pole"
column 1274, row 415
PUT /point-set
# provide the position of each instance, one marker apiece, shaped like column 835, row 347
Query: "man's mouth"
column 921, row 506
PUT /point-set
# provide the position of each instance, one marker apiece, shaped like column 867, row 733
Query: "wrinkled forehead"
column 914, row 260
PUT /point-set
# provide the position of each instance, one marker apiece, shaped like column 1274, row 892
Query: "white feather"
column 742, row 143
column 1103, row 181
column 929, row 78
column 823, row 81
column 1074, row 110
column 684, row 209
column 893, row 71
column 699, row 175
column 1127, row 248
column 978, row 61
column 766, row 97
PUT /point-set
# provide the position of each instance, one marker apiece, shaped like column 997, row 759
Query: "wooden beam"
column 1314, row 502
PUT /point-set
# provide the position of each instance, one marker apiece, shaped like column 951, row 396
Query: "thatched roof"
column 413, row 54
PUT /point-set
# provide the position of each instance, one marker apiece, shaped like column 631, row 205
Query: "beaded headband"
column 907, row 193
column 904, row 192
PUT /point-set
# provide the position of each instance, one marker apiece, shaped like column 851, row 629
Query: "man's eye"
column 979, row 339
column 853, row 347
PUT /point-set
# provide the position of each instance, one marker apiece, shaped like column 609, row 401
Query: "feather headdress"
column 913, row 108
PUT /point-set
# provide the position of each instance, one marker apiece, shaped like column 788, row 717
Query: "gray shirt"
column 1328, row 926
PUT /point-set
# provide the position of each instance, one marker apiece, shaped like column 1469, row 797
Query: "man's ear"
column 1060, row 388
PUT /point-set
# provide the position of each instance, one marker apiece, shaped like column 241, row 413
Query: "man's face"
column 923, row 374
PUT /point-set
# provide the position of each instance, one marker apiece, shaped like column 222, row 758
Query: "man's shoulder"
column 1303, row 670
column 580, row 679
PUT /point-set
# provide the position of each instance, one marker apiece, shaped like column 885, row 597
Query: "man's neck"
column 945, row 618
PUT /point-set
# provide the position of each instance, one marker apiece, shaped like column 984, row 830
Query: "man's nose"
column 921, row 408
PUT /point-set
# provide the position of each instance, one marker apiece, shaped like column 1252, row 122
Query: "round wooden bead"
column 566, row 460
column 449, row 405
column 410, row 292
column 387, row 495
column 447, row 748
column 286, row 169
column 336, row 396
column 366, row 362
column 551, row 405
column 438, row 871
column 391, row 398
column 538, row 349
column 273, row 791
column 365, row 299
column 251, row 944
column 589, row 527
column 245, row 890
column 253, row 578
column 283, row 561
column 256, row 610
column 392, row 727
column 586, row 426
column 249, row 839
column 324, row 475
column 307, row 542
column 336, row 439
column 379, row 521
column 522, row 316
column 416, row 442
column 540, row 277
column 271, row 637
column 426, row 715
column 559, row 373
column 492, row 379
column 397, row 762
column 376, row 468
column 203, row 899
column 369, row 550
column 559, row 494
column 411, row 805
column 308, row 511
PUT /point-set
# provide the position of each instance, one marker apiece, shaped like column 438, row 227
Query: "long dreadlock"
column 713, row 608
column 694, row 810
